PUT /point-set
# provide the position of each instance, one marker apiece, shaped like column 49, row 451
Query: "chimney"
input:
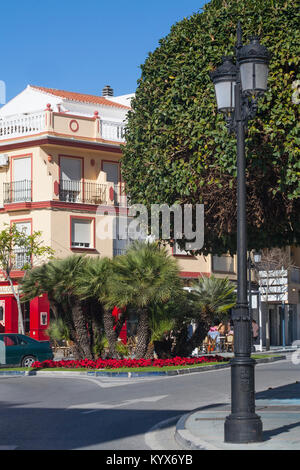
column 107, row 91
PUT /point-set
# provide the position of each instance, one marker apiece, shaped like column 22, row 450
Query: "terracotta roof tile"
column 80, row 97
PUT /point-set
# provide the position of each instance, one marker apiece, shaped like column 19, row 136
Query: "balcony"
column 84, row 192
column 70, row 191
column 17, row 191
column 49, row 122
column 112, row 131
column 20, row 125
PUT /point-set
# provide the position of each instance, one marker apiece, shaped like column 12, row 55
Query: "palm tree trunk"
column 143, row 334
column 108, row 321
column 61, row 311
column 81, row 330
column 77, row 351
column 150, row 351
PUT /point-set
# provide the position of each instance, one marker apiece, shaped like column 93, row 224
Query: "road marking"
column 93, row 407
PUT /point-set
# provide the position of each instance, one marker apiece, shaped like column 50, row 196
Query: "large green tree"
column 177, row 147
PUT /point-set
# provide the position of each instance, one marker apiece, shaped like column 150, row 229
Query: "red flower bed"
column 128, row 363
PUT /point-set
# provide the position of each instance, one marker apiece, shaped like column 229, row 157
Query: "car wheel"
column 27, row 361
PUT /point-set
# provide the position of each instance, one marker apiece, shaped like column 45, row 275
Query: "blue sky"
column 83, row 45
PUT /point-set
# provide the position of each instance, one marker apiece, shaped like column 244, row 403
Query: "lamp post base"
column 240, row 430
column 243, row 425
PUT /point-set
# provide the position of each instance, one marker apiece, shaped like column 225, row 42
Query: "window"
column 21, row 258
column 112, row 176
column 124, row 235
column 10, row 340
column 21, row 184
column 112, row 172
column 223, row 264
column 81, row 233
column 26, row 316
column 70, row 179
column 22, row 341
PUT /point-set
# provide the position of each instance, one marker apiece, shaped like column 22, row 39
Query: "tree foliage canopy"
column 177, row 146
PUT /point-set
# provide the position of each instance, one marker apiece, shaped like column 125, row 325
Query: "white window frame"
column 82, row 244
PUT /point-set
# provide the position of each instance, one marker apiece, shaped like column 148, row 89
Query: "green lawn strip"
column 132, row 369
column 141, row 369
column 264, row 356
column 121, row 369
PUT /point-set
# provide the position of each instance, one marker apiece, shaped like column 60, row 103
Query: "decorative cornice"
column 63, row 141
column 56, row 204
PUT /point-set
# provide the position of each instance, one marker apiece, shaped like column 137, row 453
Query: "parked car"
column 21, row 350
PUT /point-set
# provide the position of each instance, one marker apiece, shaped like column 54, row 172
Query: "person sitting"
column 222, row 329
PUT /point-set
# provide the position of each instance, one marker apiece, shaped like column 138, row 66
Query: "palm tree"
column 57, row 278
column 92, row 282
column 144, row 276
column 210, row 296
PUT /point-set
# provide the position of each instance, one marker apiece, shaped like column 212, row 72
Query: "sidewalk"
column 278, row 408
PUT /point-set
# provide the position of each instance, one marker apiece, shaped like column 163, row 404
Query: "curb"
column 49, row 373
column 186, row 439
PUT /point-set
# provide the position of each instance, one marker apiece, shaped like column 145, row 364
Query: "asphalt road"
column 43, row 413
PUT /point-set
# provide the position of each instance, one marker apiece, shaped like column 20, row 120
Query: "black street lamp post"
column 237, row 87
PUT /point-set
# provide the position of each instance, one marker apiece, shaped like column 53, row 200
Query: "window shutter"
column 112, row 172
column 224, row 263
column 81, row 232
column 70, row 169
column 22, row 169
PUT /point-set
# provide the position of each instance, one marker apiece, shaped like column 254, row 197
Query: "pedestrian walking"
column 255, row 333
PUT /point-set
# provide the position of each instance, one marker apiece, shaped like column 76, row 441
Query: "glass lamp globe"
column 224, row 80
column 253, row 60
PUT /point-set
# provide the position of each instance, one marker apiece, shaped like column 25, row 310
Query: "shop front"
column 35, row 314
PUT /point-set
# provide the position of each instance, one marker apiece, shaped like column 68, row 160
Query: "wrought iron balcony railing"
column 82, row 192
column 17, row 191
